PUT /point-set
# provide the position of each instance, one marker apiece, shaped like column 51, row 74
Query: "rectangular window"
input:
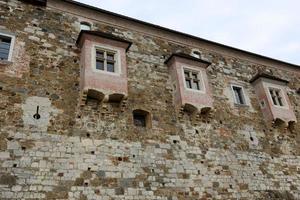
column 276, row 96
column 5, row 45
column 192, row 79
column 238, row 95
column 105, row 60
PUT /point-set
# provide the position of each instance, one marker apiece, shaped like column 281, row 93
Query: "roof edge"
column 104, row 35
column 188, row 57
column 180, row 33
column 36, row 2
column 268, row 76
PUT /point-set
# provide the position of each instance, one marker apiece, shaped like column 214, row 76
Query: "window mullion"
column 105, row 61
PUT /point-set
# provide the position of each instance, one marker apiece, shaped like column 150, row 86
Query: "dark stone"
column 20, row 90
column 7, row 179
column 126, row 182
column 119, row 191
column 101, row 174
column 191, row 156
column 54, row 97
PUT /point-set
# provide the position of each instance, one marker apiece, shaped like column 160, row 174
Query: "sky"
column 267, row 27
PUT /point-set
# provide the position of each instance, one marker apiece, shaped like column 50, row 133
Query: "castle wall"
column 95, row 151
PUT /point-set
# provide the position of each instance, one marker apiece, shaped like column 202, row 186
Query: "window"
column 105, row 60
column 196, row 54
column 192, row 79
column 238, row 94
column 141, row 118
column 85, row 26
column 276, row 96
column 6, row 42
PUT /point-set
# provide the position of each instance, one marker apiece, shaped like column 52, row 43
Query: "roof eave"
column 267, row 76
column 181, row 33
column 103, row 35
column 188, row 57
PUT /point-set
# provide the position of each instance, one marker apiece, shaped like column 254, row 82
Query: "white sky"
column 267, row 27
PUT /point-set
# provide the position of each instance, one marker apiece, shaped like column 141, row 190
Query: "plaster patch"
column 46, row 112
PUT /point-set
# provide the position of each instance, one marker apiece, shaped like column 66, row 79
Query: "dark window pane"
column 5, row 39
column 241, row 99
column 194, row 76
column 4, row 45
column 139, row 120
column 196, row 85
column 110, row 67
column 100, row 64
column 110, row 57
column 274, row 100
column 238, row 93
column 276, row 97
column 3, row 56
column 99, row 54
column 280, row 101
column 188, row 84
column 186, row 74
column 4, row 51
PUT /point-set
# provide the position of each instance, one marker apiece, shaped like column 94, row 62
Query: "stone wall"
column 95, row 151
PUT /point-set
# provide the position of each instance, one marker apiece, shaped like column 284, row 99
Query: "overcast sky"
column 267, row 27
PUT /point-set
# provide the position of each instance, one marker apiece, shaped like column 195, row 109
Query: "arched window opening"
column 85, row 26
column 141, row 118
column 196, row 54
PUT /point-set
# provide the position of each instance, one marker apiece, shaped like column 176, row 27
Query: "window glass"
column 191, row 79
column 105, row 60
column 84, row 26
column 100, row 64
column 188, row 84
column 110, row 67
column 196, row 54
column 110, row 57
column 139, row 120
column 100, row 54
column 196, row 85
column 238, row 95
column 276, row 96
column 5, row 43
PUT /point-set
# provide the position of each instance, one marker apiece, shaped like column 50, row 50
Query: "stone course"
column 95, row 151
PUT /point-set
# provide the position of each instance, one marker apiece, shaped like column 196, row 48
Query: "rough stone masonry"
column 96, row 151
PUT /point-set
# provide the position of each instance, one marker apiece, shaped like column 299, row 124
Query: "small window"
column 105, row 60
column 5, row 47
column 196, row 54
column 238, row 95
column 84, row 26
column 192, row 79
column 141, row 118
column 276, row 96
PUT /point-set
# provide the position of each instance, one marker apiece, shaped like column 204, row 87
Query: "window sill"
column 5, row 62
